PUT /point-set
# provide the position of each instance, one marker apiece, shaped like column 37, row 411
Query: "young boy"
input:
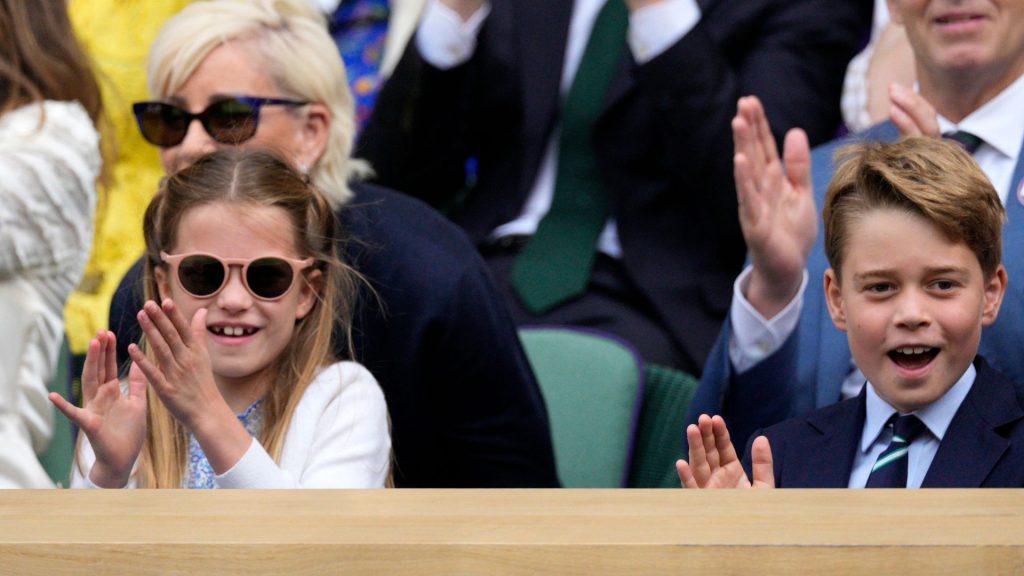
column 912, row 234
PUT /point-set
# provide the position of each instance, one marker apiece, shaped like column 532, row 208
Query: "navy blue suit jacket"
column 663, row 142
column 465, row 408
column 982, row 448
column 807, row 372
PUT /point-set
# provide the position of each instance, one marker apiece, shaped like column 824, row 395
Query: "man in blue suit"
column 933, row 413
column 778, row 354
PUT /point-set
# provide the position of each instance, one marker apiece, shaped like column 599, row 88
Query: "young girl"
column 243, row 391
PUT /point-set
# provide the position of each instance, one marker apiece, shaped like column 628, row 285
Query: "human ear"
column 309, row 292
column 163, row 282
column 834, row 299
column 995, row 288
column 314, row 133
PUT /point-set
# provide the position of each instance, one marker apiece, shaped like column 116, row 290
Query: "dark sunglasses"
column 205, row 275
column 229, row 121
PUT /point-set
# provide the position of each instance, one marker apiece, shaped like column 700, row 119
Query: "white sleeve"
column 338, row 438
column 49, row 159
column 655, row 28
column 443, row 39
column 754, row 338
column 48, row 188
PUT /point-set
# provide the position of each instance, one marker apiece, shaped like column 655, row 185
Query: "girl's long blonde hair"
column 257, row 178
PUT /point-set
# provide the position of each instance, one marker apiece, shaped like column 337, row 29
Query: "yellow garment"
column 117, row 35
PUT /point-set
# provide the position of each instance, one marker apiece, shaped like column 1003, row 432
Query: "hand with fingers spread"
column 714, row 462
column 911, row 113
column 776, row 206
column 115, row 423
column 181, row 375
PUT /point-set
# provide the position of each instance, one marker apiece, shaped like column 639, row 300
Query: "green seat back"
column 57, row 458
column 592, row 384
column 662, row 430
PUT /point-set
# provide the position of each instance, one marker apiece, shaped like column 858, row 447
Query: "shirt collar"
column 936, row 416
column 999, row 122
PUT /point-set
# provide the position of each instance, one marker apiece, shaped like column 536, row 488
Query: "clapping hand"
column 713, row 460
column 181, row 374
column 115, row 423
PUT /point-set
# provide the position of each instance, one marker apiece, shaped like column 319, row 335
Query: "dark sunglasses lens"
column 231, row 121
column 269, row 277
column 162, row 124
column 201, row 275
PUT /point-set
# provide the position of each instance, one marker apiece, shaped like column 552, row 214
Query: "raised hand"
column 776, row 206
column 115, row 423
column 911, row 113
column 713, row 460
column 182, row 375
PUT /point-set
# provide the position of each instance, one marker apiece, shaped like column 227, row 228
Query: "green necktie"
column 555, row 264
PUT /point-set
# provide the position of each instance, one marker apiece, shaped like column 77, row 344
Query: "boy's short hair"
column 931, row 177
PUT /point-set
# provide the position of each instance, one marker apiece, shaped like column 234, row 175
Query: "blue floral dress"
column 200, row 473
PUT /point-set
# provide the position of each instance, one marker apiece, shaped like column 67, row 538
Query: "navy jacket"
column 982, row 448
column 465, row 408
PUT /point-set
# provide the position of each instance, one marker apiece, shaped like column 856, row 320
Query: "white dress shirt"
column 48, row 176
column 1000, row 125
column 445, row 41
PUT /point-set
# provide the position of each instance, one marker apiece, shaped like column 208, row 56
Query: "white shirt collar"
column 999, row 122
column 936, row 416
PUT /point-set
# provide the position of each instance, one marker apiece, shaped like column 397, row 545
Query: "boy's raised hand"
column 714, row 462
column 182, row 375
column 115, row 423
column 776, row 206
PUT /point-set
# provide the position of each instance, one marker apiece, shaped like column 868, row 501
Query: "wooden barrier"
column 428, row 532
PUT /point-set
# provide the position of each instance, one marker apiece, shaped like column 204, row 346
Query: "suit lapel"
column 833, row 445
column 972, row 446
column 542, row 55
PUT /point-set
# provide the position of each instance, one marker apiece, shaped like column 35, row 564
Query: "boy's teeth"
column 912, row 350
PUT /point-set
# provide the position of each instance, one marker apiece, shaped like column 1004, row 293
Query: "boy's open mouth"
column 913, row 357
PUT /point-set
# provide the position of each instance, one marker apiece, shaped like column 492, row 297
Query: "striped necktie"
column 890, row 470
column 966, row 140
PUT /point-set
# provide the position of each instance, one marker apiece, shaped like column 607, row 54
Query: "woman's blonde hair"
column 259, row 179
column 302, row 61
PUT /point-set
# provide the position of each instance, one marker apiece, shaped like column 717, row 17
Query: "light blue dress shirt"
column 876, row 435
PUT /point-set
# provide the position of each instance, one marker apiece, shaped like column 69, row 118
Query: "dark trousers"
column 611, row 304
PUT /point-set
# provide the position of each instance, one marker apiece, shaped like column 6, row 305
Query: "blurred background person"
column 50, row 106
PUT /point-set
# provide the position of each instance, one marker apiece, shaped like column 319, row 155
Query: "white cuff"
column 443, row 39
column 754, row 338
column 655, row 28
column 256, row 469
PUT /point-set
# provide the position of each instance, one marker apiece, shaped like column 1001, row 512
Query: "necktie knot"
column 966, row 140
column 906, row 428
column 890, row 470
